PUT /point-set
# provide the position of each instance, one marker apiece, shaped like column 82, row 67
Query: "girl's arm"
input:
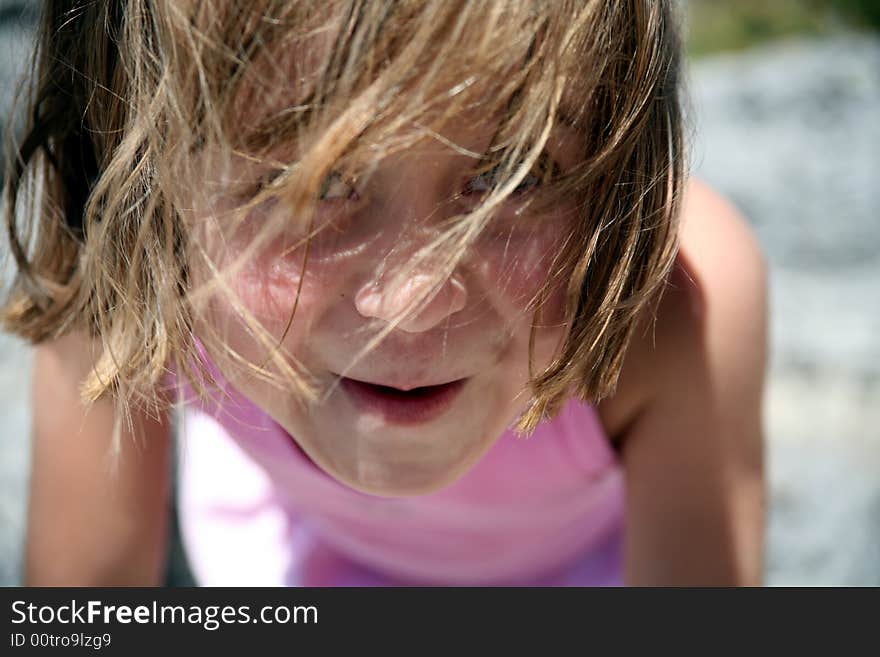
column 87, row 526
column 693, row 448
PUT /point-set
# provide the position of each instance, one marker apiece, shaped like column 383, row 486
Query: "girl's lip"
column 401, row 407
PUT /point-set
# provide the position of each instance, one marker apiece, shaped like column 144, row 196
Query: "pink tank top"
column 255, row 510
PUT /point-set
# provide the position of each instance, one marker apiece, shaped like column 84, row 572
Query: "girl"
column 369, row 248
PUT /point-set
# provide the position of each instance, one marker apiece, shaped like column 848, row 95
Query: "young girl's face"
column 459, row 365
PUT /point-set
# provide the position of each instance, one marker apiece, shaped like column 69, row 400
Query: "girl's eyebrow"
column 255, row 139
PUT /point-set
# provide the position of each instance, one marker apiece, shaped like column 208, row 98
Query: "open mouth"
column 403, row 406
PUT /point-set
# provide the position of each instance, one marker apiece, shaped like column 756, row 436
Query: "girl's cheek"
column 262, row 286
column 271, row 291
column 518, row 264
column 284, row 271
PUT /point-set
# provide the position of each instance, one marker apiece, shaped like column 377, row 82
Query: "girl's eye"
column 488, row 180
column 267, row 179
column 334, row 187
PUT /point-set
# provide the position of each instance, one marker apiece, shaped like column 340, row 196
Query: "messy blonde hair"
column 125, row 96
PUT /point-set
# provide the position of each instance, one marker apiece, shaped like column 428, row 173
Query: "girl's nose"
column 386, row 301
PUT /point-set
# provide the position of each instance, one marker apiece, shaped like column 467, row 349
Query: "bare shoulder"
column 711, row 319
column 720, row 254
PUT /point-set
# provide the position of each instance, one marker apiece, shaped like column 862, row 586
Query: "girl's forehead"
column 293, row 88
column 283, row 76
column 277, row 88
column 442, row 120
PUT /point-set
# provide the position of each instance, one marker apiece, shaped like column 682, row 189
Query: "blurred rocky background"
column 785, row 107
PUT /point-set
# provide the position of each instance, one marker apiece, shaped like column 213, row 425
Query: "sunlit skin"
column 476, row 327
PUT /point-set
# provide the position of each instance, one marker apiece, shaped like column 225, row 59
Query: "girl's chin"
column 365, row 452
column 387, row 473
column 400, row 484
